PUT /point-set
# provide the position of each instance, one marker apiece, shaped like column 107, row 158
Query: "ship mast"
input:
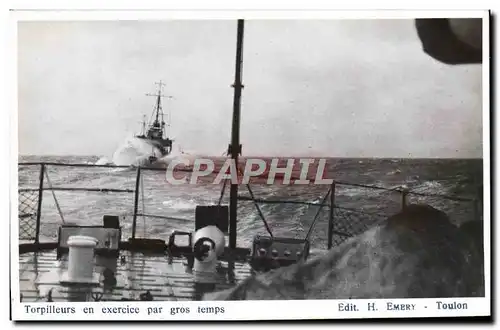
column 235, row 146
column 143, row 131
column 158, row 109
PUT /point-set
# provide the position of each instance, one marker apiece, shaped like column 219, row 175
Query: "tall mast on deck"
column 158, row 109
column 235, row 146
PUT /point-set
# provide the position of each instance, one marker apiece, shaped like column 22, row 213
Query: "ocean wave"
column 183, row 199
column 181, row 204
column 394, row 172
column 103, row 161
column 432, row 187
column 387, row 261
column 135, row 152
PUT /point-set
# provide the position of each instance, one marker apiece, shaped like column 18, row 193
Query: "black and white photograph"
column 198, row 161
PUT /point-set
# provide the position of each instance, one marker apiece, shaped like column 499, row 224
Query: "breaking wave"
column 431, row 187
column 103, row 161
column 396, row 259
column 180, row 204
column 135, row 152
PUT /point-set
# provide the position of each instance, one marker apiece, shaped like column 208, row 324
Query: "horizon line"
column 275, row 156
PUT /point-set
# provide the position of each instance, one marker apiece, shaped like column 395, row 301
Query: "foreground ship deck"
column 136, row 275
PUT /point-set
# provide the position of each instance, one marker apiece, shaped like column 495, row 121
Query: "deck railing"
column 343, row 222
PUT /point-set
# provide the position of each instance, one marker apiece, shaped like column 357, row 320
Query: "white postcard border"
column 313, row 309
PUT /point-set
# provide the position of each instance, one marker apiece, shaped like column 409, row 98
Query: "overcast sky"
column 322, row 88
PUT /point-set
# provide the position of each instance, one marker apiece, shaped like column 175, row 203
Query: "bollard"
column 81, row 259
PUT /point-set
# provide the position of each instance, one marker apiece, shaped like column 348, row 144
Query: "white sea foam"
column 103, row 161
column 180, row 204
column 410, row 256
column 134, row 151
column 137, row 152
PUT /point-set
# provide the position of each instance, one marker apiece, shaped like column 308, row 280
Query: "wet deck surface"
column 135, row 274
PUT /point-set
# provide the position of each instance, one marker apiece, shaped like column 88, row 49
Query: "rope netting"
column 377, row 205
column 28, row 205
column 348, row 223
column 351, row 222
column 459, row 209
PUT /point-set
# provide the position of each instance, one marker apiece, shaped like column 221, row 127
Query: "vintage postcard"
column 250, row 165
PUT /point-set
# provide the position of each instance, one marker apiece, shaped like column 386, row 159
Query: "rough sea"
column 358, row 207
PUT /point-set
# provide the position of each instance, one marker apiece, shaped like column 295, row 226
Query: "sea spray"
column 134, row 151
column 103, row 161
column 417, row 253
column 137, row 152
